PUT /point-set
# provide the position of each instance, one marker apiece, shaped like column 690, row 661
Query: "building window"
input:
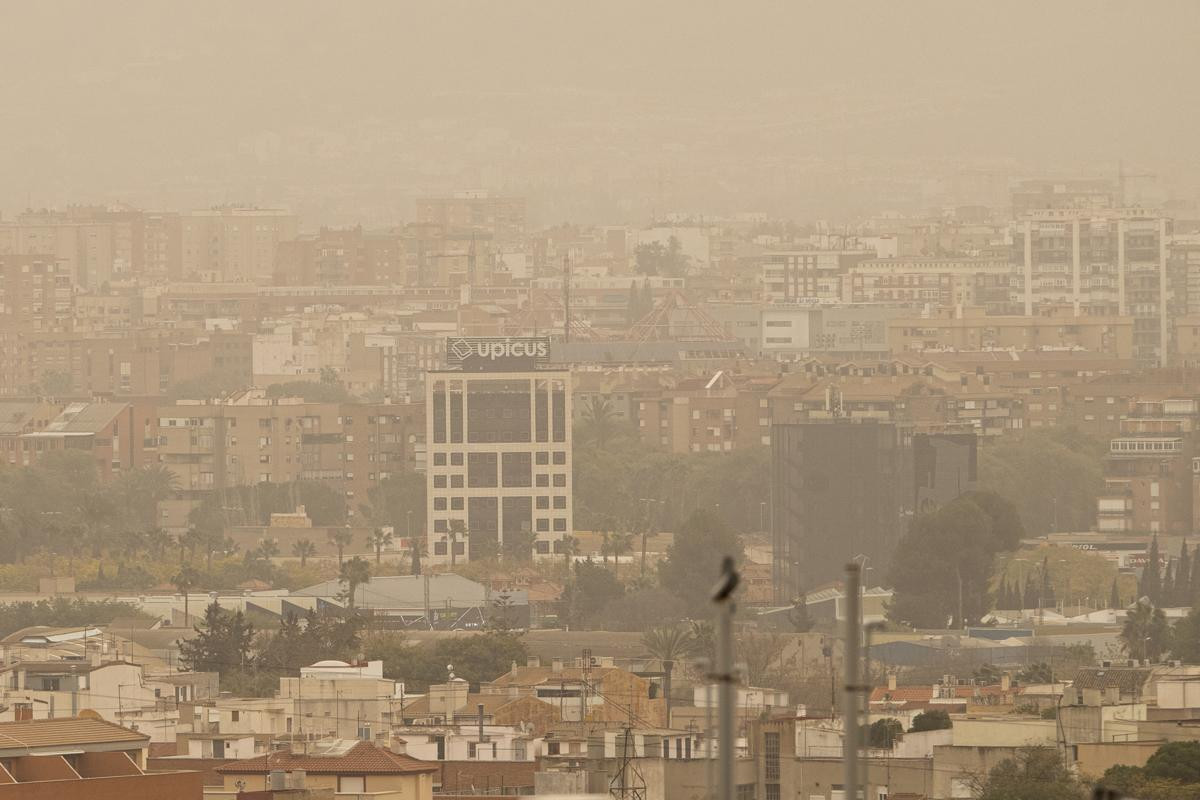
column 560, row 479
column 560, row 501
column 771, row 758
column 560, row 525
column 560, row 457
column 542, row 502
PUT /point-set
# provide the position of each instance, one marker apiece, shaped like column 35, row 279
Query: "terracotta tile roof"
column 65, row 732
column 363, row 758
column 1125, row 679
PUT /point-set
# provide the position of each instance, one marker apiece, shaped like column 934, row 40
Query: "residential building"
column 1107, row 263
column 808, row 275
column 1150, row 472
column 229, row 243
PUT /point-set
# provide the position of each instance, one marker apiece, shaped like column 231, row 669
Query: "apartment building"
column 941, row 282
column 1107, row 263
column 348, row 257
column 1052, row 328
column 714, row 414
column 500, row 217
column 1152, row 470
column 36, row 293
column 230, row 243
column 498, row 440
column 808, row 275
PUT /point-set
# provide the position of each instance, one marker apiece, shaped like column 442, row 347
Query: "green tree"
column 1055, row 474
column 1145, row 633
column 933, row 720
column 693, row 561
column 883, row 733
column 352, row 574
column 267, row 549
column 222, row 643
column 1034, row 772
column 1177, row 761
column 304, row 549
column 474, row 657
column 1185, row 638
column 943, row 565
column 341, row 538
column 590, row 589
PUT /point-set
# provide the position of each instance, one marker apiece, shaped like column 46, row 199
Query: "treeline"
column 623, row 483
column 250, row 662
column 61, row 612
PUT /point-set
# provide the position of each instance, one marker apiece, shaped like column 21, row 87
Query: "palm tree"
column 668, row 644
column 569, row 547
column 378, row 539
column 341, row 539
column 354, row 573
column 184, row 581
column 619, row 543
column 1145, row 634
column 158, row 541
column 599, row 419
column 303, row 550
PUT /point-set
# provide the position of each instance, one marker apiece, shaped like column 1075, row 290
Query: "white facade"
column 498, row 461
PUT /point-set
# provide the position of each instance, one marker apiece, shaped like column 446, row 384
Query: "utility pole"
column 722, row 595
column 851, row 688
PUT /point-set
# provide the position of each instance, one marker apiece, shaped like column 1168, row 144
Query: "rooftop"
column 332, row 758
column 18, row 738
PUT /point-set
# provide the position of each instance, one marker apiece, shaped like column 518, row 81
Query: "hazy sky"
column 352, row 109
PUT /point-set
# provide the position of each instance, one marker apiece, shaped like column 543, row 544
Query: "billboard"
column 497, row 353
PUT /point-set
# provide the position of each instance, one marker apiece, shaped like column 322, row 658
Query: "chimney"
column 891, row 681
column 533, row 661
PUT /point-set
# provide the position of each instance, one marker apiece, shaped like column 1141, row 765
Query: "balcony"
column 1144, row 447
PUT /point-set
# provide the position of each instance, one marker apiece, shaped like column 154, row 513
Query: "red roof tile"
column 363, row 758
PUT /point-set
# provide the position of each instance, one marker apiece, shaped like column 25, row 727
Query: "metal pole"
column 851, row 688
column 723, row 597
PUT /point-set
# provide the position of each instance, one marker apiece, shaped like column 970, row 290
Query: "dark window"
column 771, row 759
column 560, row 501
column 543, row 502
column 560, row 413
column 560, row 524
column 518, row 469
column 456, row 503
column 543, row 458
column 440, row 526
column 439, row 481
column 481, row 470
column 560, row 457
column 543, row 525
column 439, row 504
column 456, row 459
column 439, row 459
column 542, row 480
column 456, row 481
column 542, row 546
column 560, row 479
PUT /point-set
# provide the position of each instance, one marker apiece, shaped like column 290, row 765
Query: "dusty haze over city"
column 597, row 111
column 599, row 400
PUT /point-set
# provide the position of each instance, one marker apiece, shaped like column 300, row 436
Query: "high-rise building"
column 498, row 442
column 1098, row 263
column 844, row 490
column 233, row 244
